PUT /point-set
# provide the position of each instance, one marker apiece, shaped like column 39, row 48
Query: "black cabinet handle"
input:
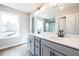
column 52, row 53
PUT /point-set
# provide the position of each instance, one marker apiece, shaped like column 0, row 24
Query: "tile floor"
column 16, row 51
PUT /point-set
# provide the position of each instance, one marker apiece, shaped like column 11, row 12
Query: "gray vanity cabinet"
column 37, row 46
column 34, row 45
column 58, row 49
column 46, row 51
column 30, row 43
column 43, row 47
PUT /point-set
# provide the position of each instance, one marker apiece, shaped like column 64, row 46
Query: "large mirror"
column 61, row 16
column 49, row 26
column 43, row 25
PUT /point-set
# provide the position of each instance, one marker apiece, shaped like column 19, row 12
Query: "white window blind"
column 9, row 23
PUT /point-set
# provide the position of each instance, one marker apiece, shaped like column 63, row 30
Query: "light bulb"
column 43, row 8
column 61, row 8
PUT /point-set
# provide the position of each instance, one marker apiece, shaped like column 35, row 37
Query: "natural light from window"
column 9, row 24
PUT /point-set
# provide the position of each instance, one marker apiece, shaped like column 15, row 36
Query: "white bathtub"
column 9, row 41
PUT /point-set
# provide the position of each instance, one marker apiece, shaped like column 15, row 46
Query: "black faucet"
column 60, row 33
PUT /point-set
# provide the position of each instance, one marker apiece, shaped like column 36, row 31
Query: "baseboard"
column 12, row 46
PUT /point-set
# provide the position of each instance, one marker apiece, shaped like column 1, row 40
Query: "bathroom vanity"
column 49, row 44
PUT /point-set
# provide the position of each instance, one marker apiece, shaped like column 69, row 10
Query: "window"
column 9, row 23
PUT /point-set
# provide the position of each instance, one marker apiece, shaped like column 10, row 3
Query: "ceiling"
column 25, row 7
column 49, row 11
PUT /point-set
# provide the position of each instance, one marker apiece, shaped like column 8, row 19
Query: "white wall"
column 31, row 23
column 24, row 26
column 67, row 12
column 63, row 13
column 24, row 22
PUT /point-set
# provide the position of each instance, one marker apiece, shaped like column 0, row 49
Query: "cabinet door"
column 45, row 51
column 70, row 24
column 30, row 43
column 54, row 53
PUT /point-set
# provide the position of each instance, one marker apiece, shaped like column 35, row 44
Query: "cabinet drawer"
column 37, row 44
column 36, row 54
column 37, row 51
column 61, row 48
column 37, row 39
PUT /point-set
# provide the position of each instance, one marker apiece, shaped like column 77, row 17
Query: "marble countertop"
column 68, row 40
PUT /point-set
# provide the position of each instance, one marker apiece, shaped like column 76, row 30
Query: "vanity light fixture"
column 43, row 7
column 54, row 5
column 40, row 9
column 37, row 11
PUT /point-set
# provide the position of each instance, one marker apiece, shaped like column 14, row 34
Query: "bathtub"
column 7, row 40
